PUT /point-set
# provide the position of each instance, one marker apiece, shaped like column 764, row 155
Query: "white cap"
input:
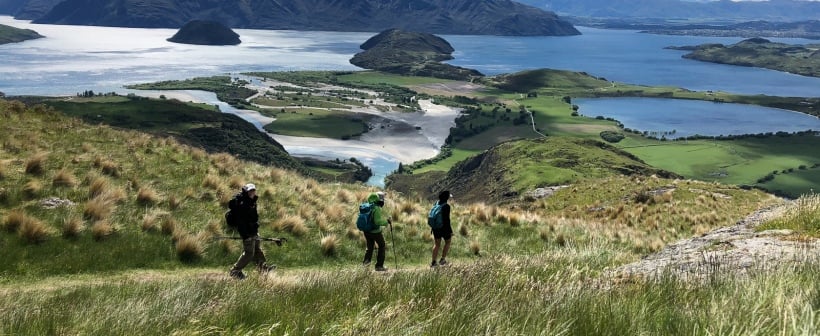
column 381, row 195
column 248, row 187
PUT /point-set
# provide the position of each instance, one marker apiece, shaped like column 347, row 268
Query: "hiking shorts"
column 443, row 233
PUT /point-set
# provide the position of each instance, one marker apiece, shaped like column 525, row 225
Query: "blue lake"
column 676, row 118
column 73, row 59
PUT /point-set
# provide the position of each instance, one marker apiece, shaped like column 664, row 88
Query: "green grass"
column 10, row 34
column 376, row 77
column 319, row 123
column 803, row 217
column 446, row 164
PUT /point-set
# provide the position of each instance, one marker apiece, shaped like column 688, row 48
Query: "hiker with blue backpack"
column 370, row 221
column 439, row 221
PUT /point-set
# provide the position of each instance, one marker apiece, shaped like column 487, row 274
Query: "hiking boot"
column 433, row 264
column 442, row 262
column 381, row 269
column 265, row 268
column 237, row 274
column 366, row 263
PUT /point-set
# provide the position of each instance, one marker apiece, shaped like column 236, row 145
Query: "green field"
column 319, row 123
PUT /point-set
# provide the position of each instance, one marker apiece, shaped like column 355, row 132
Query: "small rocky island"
column 204, row 32
column 410, row 53
column 759, row 52
column 10, row 34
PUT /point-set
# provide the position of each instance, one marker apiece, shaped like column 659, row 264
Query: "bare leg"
column 436, row 243
column 445, row 250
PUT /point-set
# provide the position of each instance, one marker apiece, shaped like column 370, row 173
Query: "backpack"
column 365, row 220
column 434, row 219
column 231, row 219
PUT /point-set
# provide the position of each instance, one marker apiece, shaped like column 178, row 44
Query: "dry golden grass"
column 189, row 248
column 344, row 196
column 352, row 232
column 32, row 188
column 33, row 231
column 14, row 219
column 276, row 175
column 72, row 227
column 35, row 164
column 3, row 172
column 64, row 178
column 150, row 221
column 86, row 147
column 475, row 247
column 98, row 185
column 225, row 163
column 98, row 208
column 224, row 196
column 168, row 226
column 174, row 202
column 236, row 182
column 198, row 154
column 101, row 229
column 147, row 196
column 291, row 223
column 322, row 223
column 214, row 227
column 211, row 182
column 338, row 214
column 330, row 245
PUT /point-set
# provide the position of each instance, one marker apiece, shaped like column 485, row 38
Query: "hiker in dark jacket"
column 443, row 233
column 244, row 206
column 375, row 237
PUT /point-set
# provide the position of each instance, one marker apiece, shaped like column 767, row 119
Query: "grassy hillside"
column 135, row 254
column 759, row 52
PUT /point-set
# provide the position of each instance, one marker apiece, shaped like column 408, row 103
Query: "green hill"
column 506, row 171
column 759, row 52
column 111, row 231
column 13, row 35
column 205, row 32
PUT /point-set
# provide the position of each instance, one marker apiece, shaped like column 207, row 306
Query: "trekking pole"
column 278, row 241
column 393, row 239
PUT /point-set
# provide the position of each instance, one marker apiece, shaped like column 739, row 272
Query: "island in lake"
column 759, row 52
column 10, row 34
column 205, row 32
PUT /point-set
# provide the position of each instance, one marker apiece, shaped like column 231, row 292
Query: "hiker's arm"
column 379, row 218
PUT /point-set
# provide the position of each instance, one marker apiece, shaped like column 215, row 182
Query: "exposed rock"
column 544, row 192
column 55, row 202
column 737, row 249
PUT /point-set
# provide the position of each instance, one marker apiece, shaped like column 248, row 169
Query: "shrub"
column 329, row 245
column 610, row 136
column 33, row 231
column 35, row 164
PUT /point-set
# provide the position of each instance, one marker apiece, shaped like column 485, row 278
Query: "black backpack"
column 231, row 219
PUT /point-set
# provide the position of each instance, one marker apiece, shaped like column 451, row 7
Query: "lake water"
column 76, row 58
column 693, row 117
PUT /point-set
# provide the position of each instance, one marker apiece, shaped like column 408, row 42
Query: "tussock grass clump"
column 291, row 223
column 225, row 163
column 236, row 182
column 150, row 221
column 329, row 245
column 147, row 196
column 14, row 219
column 86, row 147
column 339, row 214
column 211, row 182
column 33, row 231
column 101, row 229
column 174, row 202
column 64, row 178
column 352, row 232
column 35, row 164
column 475, row 247
column 463, row 230
column 32, row 188
column 344, row 196
column 98, row 208
column 72, row 227
column 168, row 226
column 189, row 248
column 98, row 185
column 3, row 172
column 276, row 175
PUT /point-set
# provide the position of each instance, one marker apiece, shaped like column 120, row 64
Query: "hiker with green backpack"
column 370, row 221
column 439, row 221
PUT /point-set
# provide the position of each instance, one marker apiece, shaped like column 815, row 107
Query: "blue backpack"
column 434, row 219
column 365, row 220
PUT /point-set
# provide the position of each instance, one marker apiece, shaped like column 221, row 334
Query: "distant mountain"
column 13, row 35
column 410, row 53
column 474, row 17
column 205, row 33
column 27, row 9
column 780, row 10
